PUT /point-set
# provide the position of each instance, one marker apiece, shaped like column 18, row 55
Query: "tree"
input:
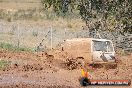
column 100, row 10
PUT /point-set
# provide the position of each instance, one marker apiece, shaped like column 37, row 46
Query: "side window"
column 102, row 46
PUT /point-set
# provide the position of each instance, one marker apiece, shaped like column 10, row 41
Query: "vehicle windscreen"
column 105, row 46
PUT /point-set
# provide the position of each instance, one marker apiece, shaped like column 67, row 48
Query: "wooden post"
column 51, row 38
column 18, row 37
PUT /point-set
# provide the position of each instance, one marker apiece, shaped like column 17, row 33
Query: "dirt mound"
column 122, row 71
column 27, row 67
column 32, row 67
column 70, row 64
column 39, row 68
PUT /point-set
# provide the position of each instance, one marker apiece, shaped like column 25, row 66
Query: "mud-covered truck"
column 90, row 50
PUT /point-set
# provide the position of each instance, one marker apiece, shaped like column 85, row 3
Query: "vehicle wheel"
column 111, row 66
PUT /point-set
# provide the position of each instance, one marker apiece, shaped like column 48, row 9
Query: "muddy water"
column 59, row 79
column 11, row 79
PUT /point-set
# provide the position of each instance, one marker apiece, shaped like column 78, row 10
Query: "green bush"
column 3, row 64
column 6, row 46
column 23, row 49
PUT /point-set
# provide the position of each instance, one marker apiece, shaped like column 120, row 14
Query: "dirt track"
column 34, row 70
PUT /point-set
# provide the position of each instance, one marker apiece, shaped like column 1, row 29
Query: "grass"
column 3, row 64
column 8, row 46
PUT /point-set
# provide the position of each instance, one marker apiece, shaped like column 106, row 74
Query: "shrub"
column 3, row 64
column 8, row 46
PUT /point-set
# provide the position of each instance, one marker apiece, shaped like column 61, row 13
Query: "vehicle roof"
column 86, row 39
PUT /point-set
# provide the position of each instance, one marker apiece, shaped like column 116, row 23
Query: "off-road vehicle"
column 89, row 50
